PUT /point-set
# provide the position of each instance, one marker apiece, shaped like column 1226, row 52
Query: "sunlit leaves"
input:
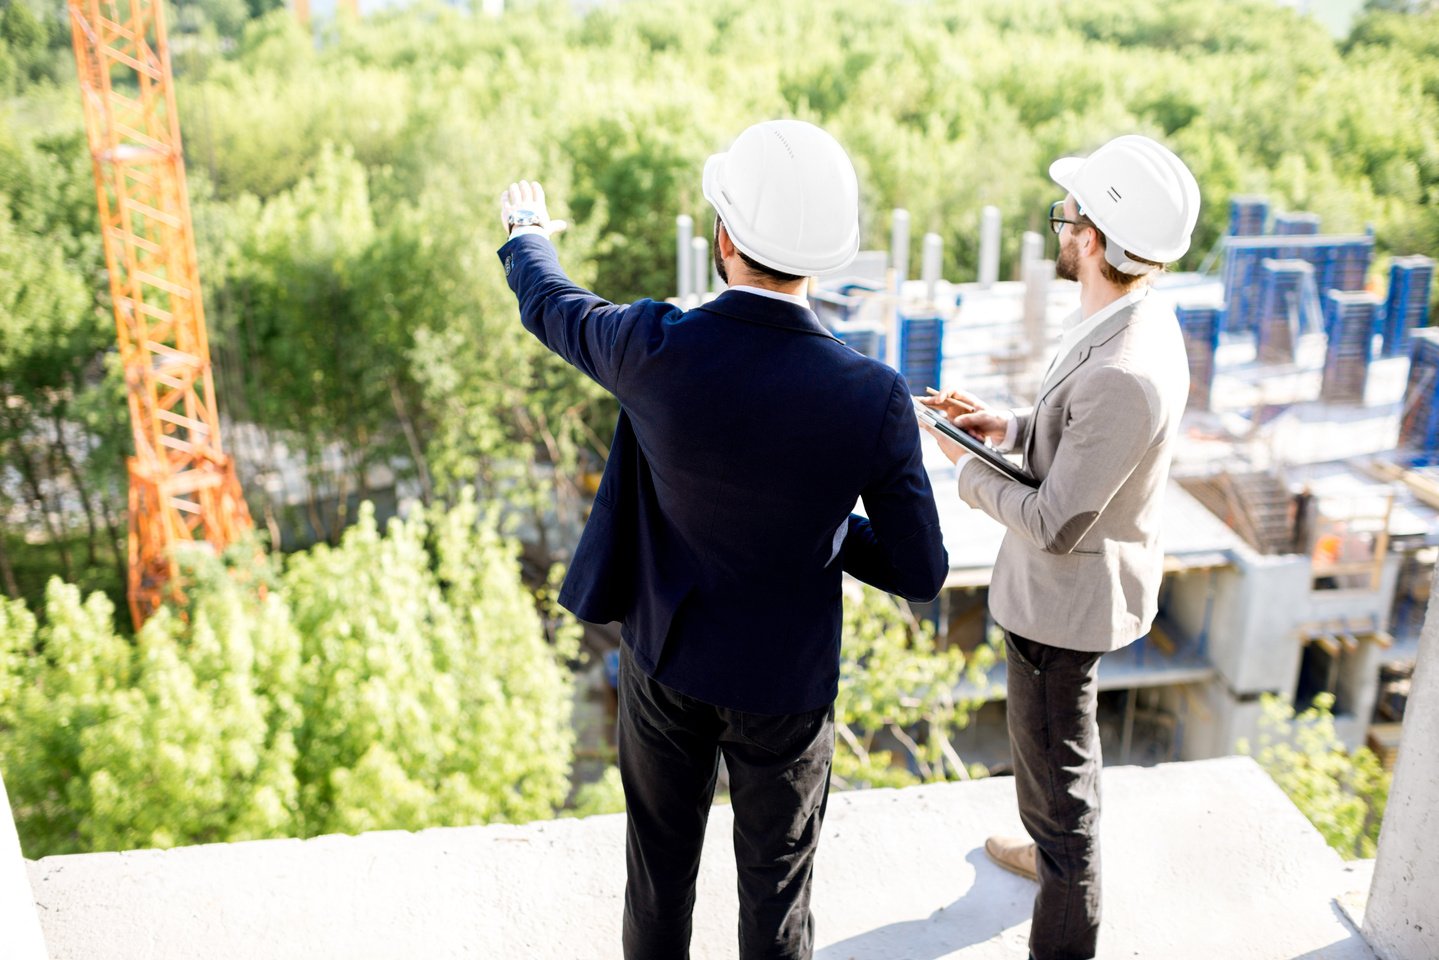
column 1343, row 793
column 398, row 681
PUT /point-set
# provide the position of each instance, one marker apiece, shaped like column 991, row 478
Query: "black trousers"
column 1055, row 742
column 779, row 766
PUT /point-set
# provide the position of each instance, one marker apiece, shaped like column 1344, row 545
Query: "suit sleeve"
column 586, row 330
column 899, row 548
column 1098, row 450
column 1022, row 417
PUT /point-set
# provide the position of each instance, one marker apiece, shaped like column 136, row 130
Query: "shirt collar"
column 1075, row 320
column 773, row 295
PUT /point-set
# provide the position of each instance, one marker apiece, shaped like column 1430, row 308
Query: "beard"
column 1066, row 265
column 714, row 253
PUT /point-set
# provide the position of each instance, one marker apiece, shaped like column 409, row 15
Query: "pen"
column 968, row 407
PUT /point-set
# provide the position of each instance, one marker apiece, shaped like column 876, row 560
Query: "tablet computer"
column 987, row 454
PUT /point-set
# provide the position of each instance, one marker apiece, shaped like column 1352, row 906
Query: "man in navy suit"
column 722, row 524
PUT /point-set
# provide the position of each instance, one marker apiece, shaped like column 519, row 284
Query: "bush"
column 1343, row 794
column 896, row 688
column 397, row 681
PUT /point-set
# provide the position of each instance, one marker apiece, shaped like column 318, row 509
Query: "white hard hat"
column 788, row 197
column 1139, row 194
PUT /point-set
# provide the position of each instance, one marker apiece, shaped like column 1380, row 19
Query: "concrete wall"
column 1205, row 861
column 1252, row 641
column 1254, row 610
column 1358, row 691
column 20, row 937
column 1364, row 604
column 1401, row 920
column 1215, row 719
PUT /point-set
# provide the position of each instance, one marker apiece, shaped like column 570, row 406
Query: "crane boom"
column 183, row 486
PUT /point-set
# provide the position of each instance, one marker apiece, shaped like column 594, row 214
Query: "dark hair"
column 1108, row 271
column 768, row 273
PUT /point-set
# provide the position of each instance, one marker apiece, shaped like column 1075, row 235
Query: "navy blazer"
column 746, row 434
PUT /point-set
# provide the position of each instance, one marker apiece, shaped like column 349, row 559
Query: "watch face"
column 524, row 218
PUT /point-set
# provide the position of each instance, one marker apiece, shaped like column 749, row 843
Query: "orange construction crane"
column 183, row 486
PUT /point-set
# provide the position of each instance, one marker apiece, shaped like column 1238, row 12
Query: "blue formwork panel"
column 1296, row 224
column 1200, row 326
column 832, row 306
column 921, row 339
column 865, row 338
column 1248, row 216
column 1339, row 262
column 1284, row 284
column 1419, row 420
column 1407, row 306
column 1352, row 322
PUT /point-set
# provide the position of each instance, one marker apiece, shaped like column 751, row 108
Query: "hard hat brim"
column 1062, row 171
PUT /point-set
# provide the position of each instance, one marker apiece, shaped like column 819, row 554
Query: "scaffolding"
column 1248, row 216
column 1296, row 224
column 1352, row 321
column 921, row 339
column 1286, row 289
column 1407, row 306
column 1200, row 326
column 1419, row 420
column 1338, row 262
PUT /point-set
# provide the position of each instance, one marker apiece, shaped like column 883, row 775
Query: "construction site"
column 1300, row 539
column 1302, row 515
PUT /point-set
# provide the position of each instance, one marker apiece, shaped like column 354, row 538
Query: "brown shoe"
column 1013, row 854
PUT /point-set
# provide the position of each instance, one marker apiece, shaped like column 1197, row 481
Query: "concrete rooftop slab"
column 1202, row 860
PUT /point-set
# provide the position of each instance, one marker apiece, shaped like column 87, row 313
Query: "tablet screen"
column 977, row 447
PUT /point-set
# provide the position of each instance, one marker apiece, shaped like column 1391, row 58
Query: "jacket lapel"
column 1067, row 365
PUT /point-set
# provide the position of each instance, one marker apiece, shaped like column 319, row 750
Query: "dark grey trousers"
column 1055, row 741
column 779, row 766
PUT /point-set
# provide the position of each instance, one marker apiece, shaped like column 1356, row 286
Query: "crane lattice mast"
column 183, row 487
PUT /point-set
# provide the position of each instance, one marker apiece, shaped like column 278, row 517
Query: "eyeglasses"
column 1056, row 218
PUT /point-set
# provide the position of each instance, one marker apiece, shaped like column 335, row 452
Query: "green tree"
column 396, row 681
column 1342, row 793
column 344, row 191
column 896, row 687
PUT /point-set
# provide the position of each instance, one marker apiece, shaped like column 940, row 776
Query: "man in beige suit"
column 1078, row 573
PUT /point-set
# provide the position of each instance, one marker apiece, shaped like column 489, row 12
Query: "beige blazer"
column 1080, row 564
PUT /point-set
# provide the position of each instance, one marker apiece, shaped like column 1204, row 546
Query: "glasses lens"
column 1056, row 216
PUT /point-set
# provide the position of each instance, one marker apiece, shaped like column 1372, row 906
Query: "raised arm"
column 586, row 330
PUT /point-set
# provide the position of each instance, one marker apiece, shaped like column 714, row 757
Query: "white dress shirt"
column 1077, row 329
column 795, row 299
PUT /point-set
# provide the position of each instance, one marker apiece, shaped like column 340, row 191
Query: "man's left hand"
column 527, row 197
column 950, row 448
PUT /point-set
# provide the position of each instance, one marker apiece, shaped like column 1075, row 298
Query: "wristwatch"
column 524, row 218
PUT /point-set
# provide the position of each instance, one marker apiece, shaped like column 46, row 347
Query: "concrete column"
column 1037, row 276
column 699, row 267
column 933, row 252
column 1031, row 247
column 684, row 232
column 20, row 937
column 899, row 248
column 1401, row 919
column 899, row 273
column 988, row 246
